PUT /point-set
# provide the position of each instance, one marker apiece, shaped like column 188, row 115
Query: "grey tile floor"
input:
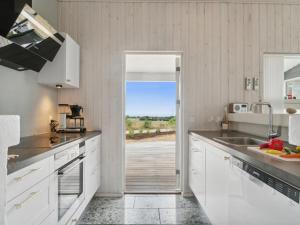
column 144, row 209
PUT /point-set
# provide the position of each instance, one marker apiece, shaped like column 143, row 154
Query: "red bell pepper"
column 276, row 144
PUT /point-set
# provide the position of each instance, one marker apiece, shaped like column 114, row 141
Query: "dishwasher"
column 257, row 198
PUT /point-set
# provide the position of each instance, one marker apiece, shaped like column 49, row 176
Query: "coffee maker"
column 71, row 119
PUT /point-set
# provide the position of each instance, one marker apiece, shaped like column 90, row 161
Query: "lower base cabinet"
column 31, row 207
column 51, row 219
column 217, row 181
column 233, row 196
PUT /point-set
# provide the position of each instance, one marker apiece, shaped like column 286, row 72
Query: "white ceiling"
column 150, row 63
column 291, row 61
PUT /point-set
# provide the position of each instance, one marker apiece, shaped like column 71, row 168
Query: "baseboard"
column 187, row 194
column 111, row 195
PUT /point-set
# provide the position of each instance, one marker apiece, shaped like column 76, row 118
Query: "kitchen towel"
column 294, row 129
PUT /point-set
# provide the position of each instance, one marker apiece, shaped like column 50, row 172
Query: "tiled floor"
column 145, row 209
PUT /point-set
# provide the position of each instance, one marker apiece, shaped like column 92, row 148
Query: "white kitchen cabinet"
column 65, row 68
column 217, row 181
column 51, row 219
column 236, row 194
column 31, row 207
column 23, row 179
column 92, row 167
column 197, row 168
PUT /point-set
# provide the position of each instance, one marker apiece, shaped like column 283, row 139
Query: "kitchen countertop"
column 35, row 148
column 288, row 172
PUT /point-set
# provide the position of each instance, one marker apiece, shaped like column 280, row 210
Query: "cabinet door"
column 92, row 167
column 31, row 207
column 217, row 180
column 197, row 168
column 72, row 62
column 236, row 194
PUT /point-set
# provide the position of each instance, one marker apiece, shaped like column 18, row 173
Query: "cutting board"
column 257, row 149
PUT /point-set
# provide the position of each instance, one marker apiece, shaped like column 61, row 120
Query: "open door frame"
column 179, row 113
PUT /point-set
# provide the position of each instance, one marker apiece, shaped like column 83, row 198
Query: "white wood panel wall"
column 221, row 43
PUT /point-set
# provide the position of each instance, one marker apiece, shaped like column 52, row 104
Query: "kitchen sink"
column 240, row 141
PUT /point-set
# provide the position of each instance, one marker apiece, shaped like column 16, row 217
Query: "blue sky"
column 150, row 98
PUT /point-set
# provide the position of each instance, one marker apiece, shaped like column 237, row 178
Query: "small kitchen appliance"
column 238, row 108
column 71, row 119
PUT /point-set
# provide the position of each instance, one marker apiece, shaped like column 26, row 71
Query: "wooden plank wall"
column 221, row 43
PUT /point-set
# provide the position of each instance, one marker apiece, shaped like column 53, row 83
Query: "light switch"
column 255, row 83
column 248, row 83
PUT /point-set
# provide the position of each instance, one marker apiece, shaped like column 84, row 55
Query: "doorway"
column 152, row 122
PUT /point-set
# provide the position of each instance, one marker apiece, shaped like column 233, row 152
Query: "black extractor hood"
column 27, row 40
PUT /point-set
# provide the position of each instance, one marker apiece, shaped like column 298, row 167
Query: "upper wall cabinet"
column 64, row 71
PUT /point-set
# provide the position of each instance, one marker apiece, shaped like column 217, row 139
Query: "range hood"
column 27, row 40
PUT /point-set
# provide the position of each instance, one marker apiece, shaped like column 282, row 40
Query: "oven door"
column 70, row 188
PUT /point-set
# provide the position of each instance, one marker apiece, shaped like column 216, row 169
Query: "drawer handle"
column 226, row 157
column 19, row 205
column 26, row 174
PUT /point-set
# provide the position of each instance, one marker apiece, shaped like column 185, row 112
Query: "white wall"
column 221, row 43
column 274, row 81
column 21, row 95
column 48, row 9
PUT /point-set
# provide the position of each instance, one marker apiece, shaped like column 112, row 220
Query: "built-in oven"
column 71, row 185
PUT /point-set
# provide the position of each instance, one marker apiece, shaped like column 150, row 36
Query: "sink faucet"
column 271, row 132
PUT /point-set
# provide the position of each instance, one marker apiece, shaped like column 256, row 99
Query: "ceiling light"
column 59, row 86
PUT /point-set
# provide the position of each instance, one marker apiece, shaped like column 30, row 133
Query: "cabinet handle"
column 26, row 174
column 19, row 205
column 226, row 157
column 68, row 80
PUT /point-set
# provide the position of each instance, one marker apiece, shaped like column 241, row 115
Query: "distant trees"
column 128, row 123
column 172, row 122
column 147, row 124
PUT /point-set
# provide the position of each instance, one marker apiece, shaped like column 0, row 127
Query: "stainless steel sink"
column 240, row 141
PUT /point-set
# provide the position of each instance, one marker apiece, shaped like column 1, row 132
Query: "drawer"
column 194, row 142
column 194, row 179
column 93, row 182
column 61, row 158
column 23, row 179
column 197, row 184
column 31, row 207
column 197, row 158
column 92, row 143
column 93, row 157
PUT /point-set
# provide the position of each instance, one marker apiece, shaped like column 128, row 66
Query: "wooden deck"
column 150, row 167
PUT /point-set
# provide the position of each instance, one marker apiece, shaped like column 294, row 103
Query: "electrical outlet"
column 248, row 83
column 255, row 83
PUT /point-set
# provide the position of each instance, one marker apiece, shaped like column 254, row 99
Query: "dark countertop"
column 35, row 148
column 285, row 171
